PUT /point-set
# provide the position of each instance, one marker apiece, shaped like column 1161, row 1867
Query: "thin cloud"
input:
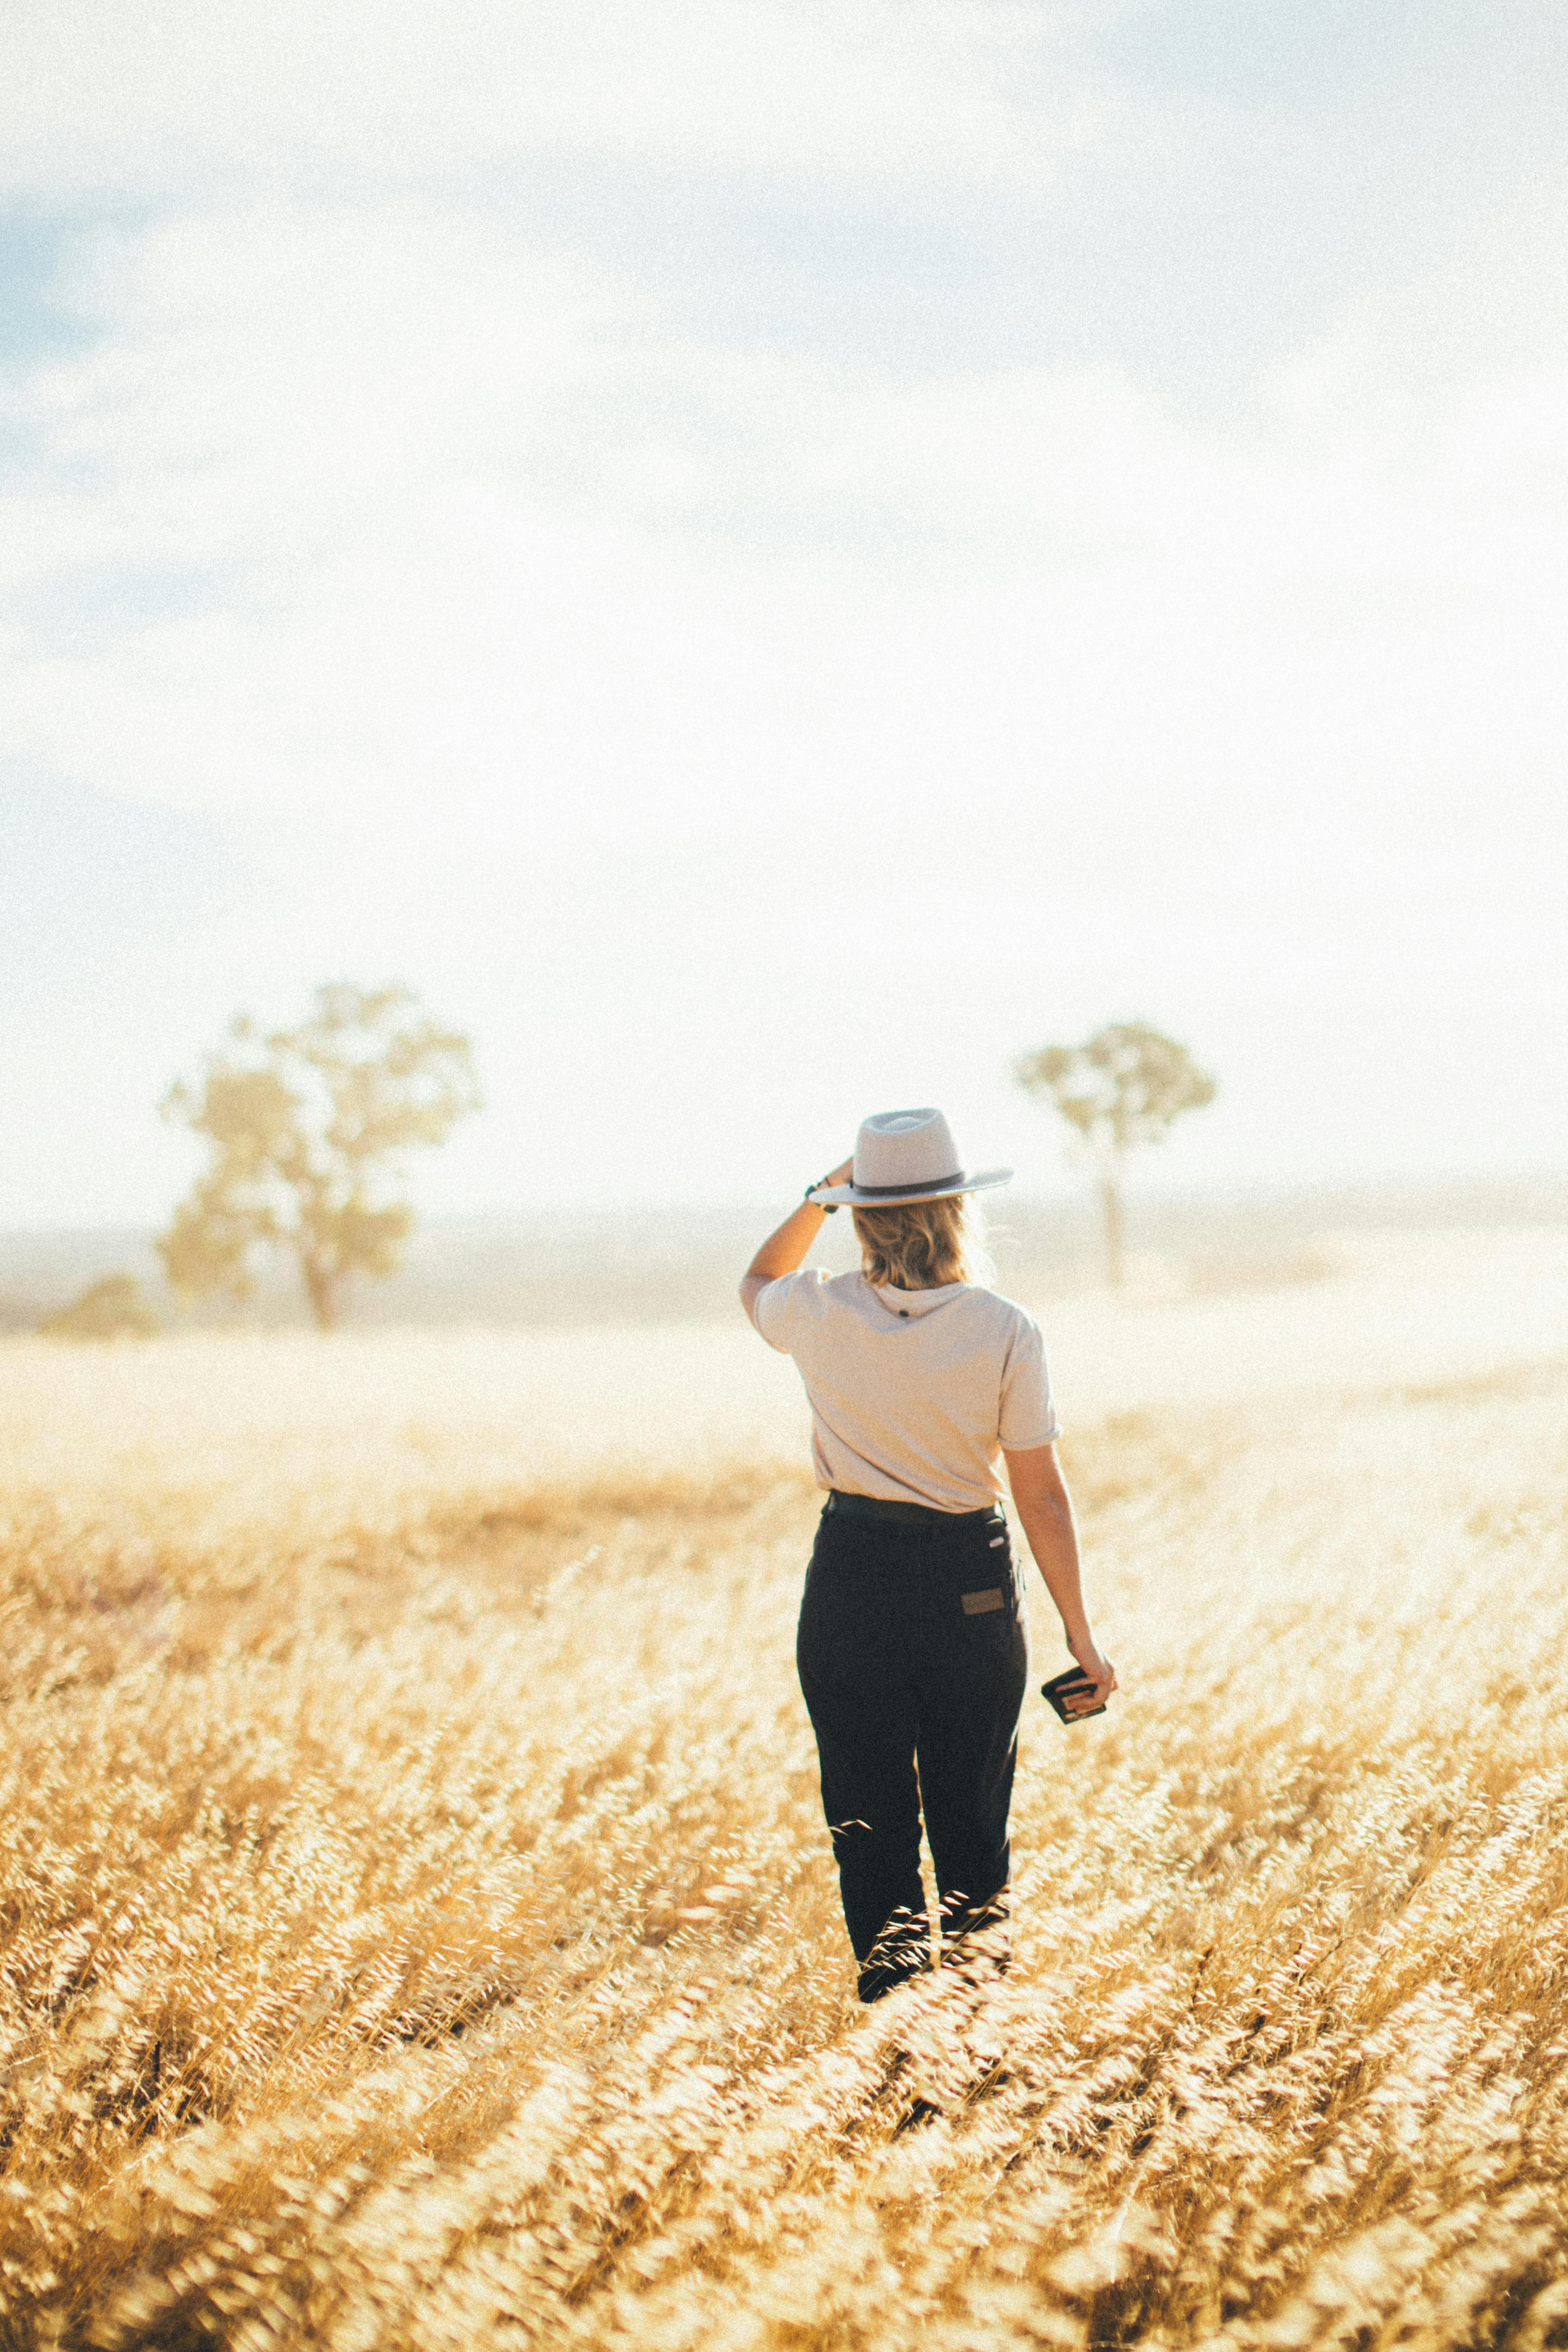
column 466, row 523
column 857, row 88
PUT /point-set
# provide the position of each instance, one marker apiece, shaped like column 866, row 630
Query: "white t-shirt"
column 913, row 1392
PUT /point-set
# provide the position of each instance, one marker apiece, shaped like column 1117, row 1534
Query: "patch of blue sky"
column 86, row 607
column 37, row 317
column 95, row 890
column 39, row 321
column 1318, row 55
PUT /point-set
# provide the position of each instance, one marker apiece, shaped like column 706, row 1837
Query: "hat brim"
column 850, row 1196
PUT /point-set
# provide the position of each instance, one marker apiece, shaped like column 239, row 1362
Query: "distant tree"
column 307, row 1130
column 116, row 1308
column 1123, row 1086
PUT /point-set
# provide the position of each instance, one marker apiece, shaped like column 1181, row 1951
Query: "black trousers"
column 913, row 1658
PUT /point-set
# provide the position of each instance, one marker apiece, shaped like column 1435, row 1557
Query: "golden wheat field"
column 417, row 1927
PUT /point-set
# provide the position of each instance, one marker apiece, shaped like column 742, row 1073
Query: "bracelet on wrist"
column 829, row 1208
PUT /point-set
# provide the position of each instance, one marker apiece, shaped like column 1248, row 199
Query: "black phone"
column 1063, row 1686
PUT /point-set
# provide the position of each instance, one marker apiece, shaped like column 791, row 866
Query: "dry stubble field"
column 417, row 1929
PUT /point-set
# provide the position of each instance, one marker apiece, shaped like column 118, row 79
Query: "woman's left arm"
column 785, row 1249
column 1046, row 1509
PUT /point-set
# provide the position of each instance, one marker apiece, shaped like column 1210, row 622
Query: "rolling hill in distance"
column 551, row 1272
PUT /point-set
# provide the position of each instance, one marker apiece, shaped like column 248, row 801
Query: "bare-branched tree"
column 307, row 1130
column 1124, row 1086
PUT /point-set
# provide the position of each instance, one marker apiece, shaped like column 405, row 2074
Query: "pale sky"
column 768, row 555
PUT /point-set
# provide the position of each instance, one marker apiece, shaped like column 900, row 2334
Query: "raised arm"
column 785, row 1247
column 1046, row 1509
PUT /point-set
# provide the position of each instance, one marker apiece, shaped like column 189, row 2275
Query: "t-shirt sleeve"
column 784, row 1312
column 1028, row 1414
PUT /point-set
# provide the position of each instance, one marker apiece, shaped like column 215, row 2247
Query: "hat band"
column 905, row 1192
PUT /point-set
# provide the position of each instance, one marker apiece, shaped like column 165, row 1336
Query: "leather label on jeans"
column 975, row 1605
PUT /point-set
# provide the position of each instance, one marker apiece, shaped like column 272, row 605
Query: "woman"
column 913, row 1650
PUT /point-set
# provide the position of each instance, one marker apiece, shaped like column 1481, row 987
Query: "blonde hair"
column 920, row 1244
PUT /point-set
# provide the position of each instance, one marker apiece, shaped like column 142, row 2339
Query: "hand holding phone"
column 1071, row 1683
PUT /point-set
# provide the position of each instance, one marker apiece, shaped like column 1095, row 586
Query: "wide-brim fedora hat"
column 902, row 1156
